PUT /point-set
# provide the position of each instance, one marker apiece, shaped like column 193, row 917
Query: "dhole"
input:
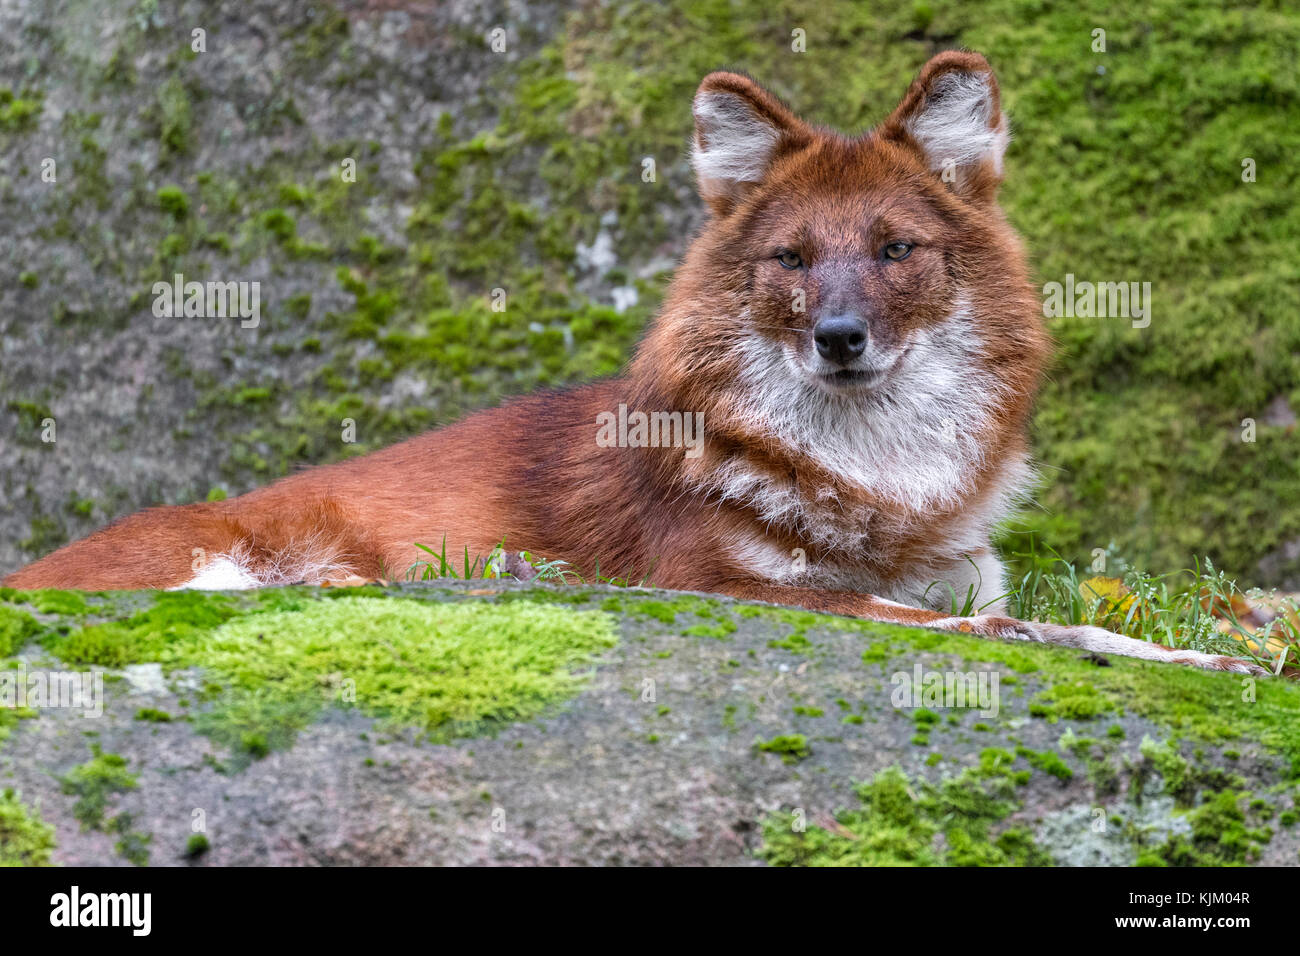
column 854, row 336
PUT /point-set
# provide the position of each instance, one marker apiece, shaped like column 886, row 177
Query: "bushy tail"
column 217, row 545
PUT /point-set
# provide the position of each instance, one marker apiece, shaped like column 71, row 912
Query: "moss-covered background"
column 522, row 171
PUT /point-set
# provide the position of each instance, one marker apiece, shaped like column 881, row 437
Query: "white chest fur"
column 914, row 450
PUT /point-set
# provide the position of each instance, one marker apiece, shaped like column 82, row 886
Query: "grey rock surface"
column 654, row 761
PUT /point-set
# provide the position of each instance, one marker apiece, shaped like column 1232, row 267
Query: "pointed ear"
column 952, row 116
column 740, row 129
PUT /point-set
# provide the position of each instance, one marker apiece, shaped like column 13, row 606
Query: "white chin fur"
column 913, row 444
column 915, row 441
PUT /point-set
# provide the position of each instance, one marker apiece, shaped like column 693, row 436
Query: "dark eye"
column 789, row 260
column 898, row 250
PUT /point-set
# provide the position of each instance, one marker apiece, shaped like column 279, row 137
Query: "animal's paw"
column 991, row 625
column 1217, row 662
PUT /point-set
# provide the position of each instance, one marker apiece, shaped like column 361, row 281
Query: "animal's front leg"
column 1083, row 637
column 1096, row 640
column 853, row 604
column 847, row 603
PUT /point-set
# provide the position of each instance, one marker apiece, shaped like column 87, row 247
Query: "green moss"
column 119, row 71
column 293, row 194
column 324, row 38
column 65, row 603
column 299, row 307
column 196, row 846
column 1048, row 762
column 30, row 414
column 94, row 782
column 1183, row 779
column 790, row 747
column 446, row 669
column 809, row 711
column 279, row 224
column 719, row 630
column 925, row 718
column 253, row 724
column 18, row 114
column 153, row 715
column 257, row 395
column 890, row 830
column 45, row 534
column 658, row 610
column 879, row 651
column 795, row 643
column 1170, row 764
column 175, row 118
column 174, row 202
column 25, row 839
column 91, row 183
column 133, row 845
column 16, row 627
column 801, row 621
column 147, row 634
column 1077, row 701
column 173, row 246
column 1219, row 836
column 900, row 820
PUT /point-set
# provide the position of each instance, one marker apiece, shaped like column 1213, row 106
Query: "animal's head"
column 857, row 260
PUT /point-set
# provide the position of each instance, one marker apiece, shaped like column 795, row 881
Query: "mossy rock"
column 493, row 722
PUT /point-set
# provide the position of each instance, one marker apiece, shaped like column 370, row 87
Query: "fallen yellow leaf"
column 1113, row 599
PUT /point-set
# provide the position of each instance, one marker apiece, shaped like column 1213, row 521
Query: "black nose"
column 840, row 338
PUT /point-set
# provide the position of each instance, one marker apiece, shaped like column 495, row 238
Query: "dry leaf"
column 1112, row 598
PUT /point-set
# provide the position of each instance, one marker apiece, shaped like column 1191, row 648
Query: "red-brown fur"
column 530, row 472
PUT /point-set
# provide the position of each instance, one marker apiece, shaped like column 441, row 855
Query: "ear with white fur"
column 740, row 130
column 952, row 116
